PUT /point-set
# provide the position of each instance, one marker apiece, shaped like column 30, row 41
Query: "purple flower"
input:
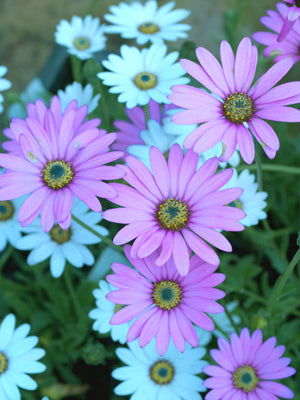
column 54, row 157
column 247, row 368
column 287, row 47
column 175, row 207
column 129, row 132
column 293, row 15
column 165, row 303
column 234, row 106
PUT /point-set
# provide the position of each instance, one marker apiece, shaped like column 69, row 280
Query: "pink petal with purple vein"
column 264, row 133
column 150, row 328
column 160, row 171
column 163, row 335
column 245, row 143
column 200, row 247
column 283, row 114
column 180, row 254
column 227, row 58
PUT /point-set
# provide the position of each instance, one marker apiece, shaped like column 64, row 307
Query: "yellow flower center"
column 245, row 378
column 166, row 294
column 172, row 214
column 148, row 27
column 60, row 235
column 57, row 174
column 162, row 372
column 6, row 210
column 238, row 108
column 145, row 80
column 82, row 43
column 3, row 363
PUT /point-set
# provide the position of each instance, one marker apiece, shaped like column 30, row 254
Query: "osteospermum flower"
column 104, row 311
column 142, row 75
column 148, row 376
column 251, row 201
column 247, row 368
column 63, row 245
column 54, row 157
column 145, row 22
column 84, row 96
column 4, row 84
column 234, row 107
column 165, row 302
column 82, row 37
column 18, row 357
column 287, row 47
column 10, row 228
column 174, row 208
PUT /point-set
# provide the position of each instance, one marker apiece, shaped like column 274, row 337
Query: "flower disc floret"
column 81, row 43
column 57, row 174
column 3, row 363
column 6, row 210
column 148, row 27
column 145, row 80
column 245, row 378
column 238, row 108
column 60, row 235
column 162, row 372
column 172, row 214
column 166, row 294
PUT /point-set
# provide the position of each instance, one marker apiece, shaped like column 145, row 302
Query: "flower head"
column 234, row 109
column 104, row 312
column 84, row 96
column 175, row 207
column 82, row 37
column 142, row 75
column 251, row 201
column 18, row 357
column 149, row 376
column 247, row 368
column 289, row 46
column 54, row 156
column 61, row 245
column 146, row 22
column 165, row 302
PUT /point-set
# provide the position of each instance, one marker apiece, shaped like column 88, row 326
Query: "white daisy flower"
column 34, row 90
column 142, row 75
column 84, row 96
column 4, row 84
column 180, row 132
column 104, row 311
column 10, row 227
column 151, row 377
column 251, row 201
column 82, row 37
column 63, row 245
column 145, row 22
column 18, row 357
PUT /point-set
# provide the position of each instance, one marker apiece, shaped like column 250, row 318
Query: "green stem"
column 272, row 168
column 259, row 173
column 230, row 317
column 91, row 7
column 72, row 293
column 147, row 114
column 283, row 279
column 76, row 65
column 5, row 256
column 104, row 239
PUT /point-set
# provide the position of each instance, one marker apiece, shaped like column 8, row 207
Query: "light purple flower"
column 165, row 303
column 287, row 47
column 247, row 368
column 54, row 157
column 175, row 207
column 291, row 18
column 234, row 107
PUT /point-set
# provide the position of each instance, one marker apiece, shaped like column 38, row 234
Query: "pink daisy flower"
column 234, row 106
column 247, row 369
column 57, row 156
column 175, row 207
column 291, row 18
column 165, row 303
column 129, row 132
column 287, row 47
